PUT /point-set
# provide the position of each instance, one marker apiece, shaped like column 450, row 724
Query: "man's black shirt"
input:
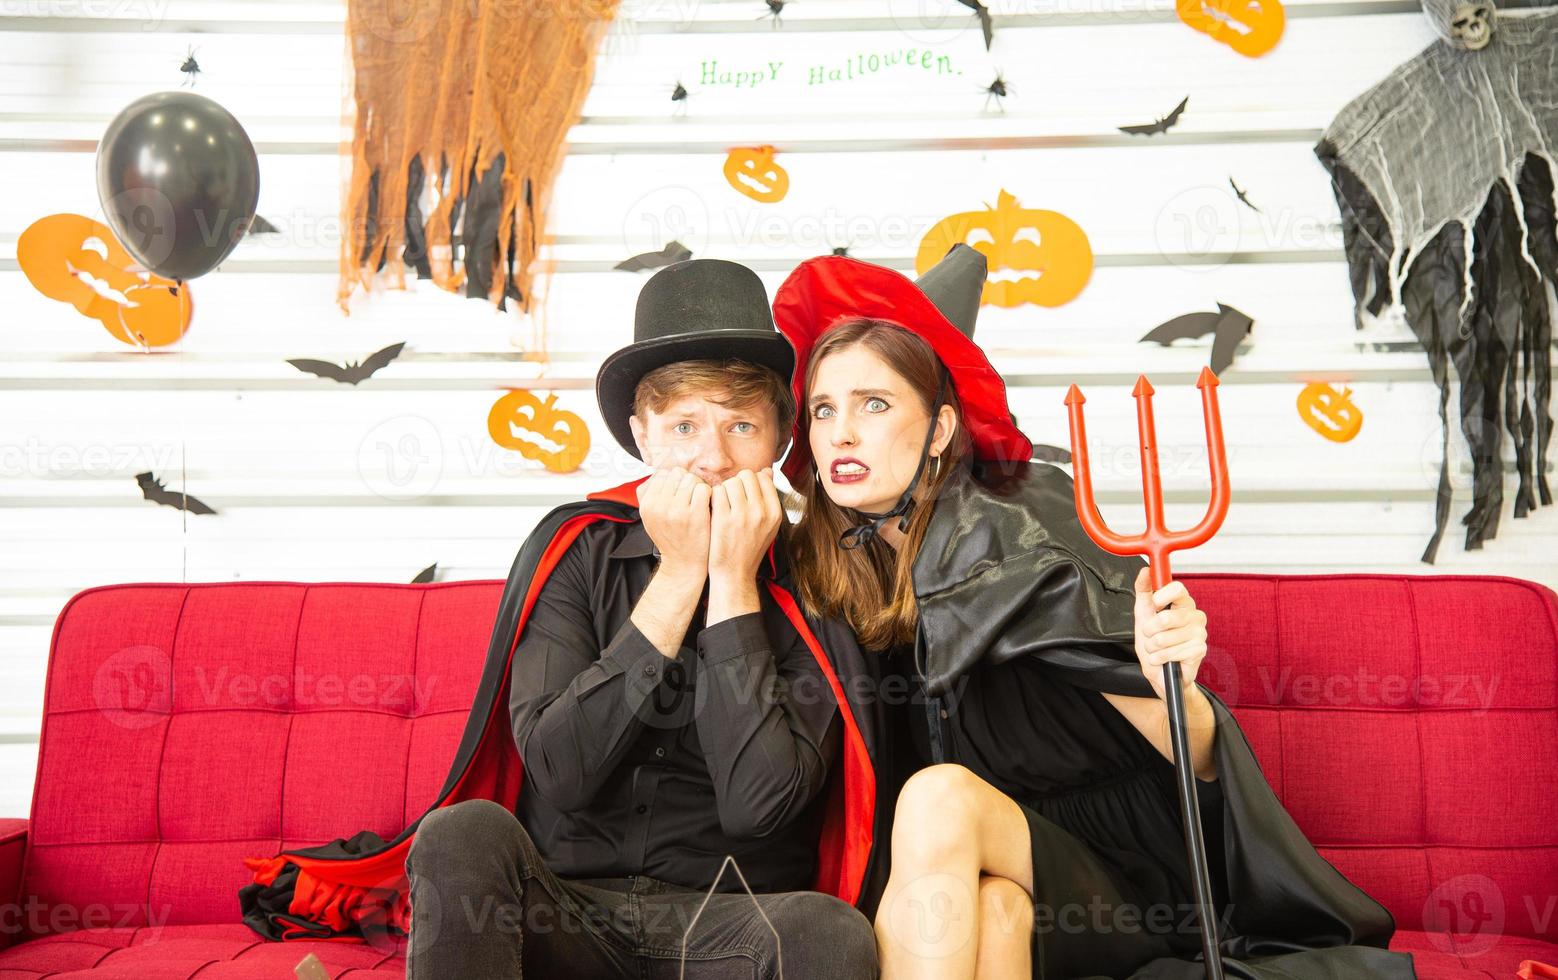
column 640, row 764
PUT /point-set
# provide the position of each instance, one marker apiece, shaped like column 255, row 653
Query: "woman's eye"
column 683, row 429
column 822, row 412
column 875, row 405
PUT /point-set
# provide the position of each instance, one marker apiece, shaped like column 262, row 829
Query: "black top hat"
column 698, row 309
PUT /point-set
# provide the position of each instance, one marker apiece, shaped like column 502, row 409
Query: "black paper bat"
column 841, row 250
column 153, row 490
column 995, row 90
column 1228, row 325
column 426, row 574
column 1161, row 125
column 351, row 372
column 190, row 68
column 983, row 13
column 679, row 93
column 674, row 251
column 259, row 226
column 1051, row 454
column 1240, row 192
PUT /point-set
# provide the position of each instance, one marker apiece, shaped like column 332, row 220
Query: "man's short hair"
column 745, row 384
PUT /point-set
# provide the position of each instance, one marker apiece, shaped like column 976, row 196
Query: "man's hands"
column 718, row 533
column 674, row 506
column 746, row 516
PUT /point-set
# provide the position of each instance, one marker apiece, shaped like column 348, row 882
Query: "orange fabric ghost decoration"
column 73, row 259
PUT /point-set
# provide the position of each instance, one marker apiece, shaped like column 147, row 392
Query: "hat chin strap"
column 861, row 533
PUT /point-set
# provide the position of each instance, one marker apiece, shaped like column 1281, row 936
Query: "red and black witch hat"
column 941, row 307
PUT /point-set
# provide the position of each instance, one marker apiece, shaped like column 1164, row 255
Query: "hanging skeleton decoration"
column 1444, row 176
column 461, row 110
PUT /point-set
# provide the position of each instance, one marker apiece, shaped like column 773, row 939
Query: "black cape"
column 354, row 888
column 1007, row 571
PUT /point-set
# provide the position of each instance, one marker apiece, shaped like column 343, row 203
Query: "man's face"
column 712, row 441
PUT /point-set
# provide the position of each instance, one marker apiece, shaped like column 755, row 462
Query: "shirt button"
column 649, row 670
column 641, row 808
column 659, row 753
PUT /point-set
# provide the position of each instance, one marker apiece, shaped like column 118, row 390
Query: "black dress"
column 1112, row 888
column 1023, row 623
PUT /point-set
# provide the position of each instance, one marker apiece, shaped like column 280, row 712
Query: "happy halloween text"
column 859, row 65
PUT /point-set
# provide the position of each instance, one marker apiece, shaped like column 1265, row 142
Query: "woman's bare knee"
column 933, row 822
column 947, row 816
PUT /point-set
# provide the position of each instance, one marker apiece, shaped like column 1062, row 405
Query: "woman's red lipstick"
column 855, row 476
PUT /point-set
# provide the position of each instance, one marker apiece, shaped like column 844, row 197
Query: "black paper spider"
column 190, row 67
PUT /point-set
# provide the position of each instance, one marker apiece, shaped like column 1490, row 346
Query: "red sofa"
column 298, row 713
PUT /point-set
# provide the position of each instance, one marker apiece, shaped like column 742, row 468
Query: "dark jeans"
column 484, row 905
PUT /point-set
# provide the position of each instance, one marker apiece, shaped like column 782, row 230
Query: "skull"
column 1471, row 26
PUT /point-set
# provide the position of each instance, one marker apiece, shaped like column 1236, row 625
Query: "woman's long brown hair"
column 870, row 587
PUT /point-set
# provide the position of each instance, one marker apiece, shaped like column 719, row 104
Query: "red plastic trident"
column 1156, row 542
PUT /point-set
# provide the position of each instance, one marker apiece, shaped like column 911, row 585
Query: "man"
column 669, row 706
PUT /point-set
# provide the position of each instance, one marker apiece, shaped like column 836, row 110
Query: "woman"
column 1037, row 831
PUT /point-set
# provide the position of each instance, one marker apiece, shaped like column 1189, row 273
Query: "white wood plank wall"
column 323, row 482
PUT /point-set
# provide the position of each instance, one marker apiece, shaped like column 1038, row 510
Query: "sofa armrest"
column 13, row 845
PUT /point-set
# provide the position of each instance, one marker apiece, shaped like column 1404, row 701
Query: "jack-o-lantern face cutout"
column 1329, row 412
column 73, row 259
column 558, row 440
column 1033, row 256
column 1250, row 27
column 752, row 171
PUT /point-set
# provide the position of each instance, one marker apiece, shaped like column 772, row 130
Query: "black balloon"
column 178, row 181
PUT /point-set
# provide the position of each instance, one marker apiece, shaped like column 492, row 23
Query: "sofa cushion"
column 189, row 726
column 1409, row 724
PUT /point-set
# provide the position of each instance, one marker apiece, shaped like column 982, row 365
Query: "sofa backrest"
column 1408, row 723
column 189, row 726
column 1410, row 726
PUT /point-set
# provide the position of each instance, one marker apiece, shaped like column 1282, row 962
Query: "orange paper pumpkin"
column 752, row 171
column 558, row 440
column 1034, row 256
column 1329, row 412
column 1250, row 27
column 73, row 259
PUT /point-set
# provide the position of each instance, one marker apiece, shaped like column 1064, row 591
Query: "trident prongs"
column 1156, row 542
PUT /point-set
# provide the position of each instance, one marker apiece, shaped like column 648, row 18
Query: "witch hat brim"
column 829, row 288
